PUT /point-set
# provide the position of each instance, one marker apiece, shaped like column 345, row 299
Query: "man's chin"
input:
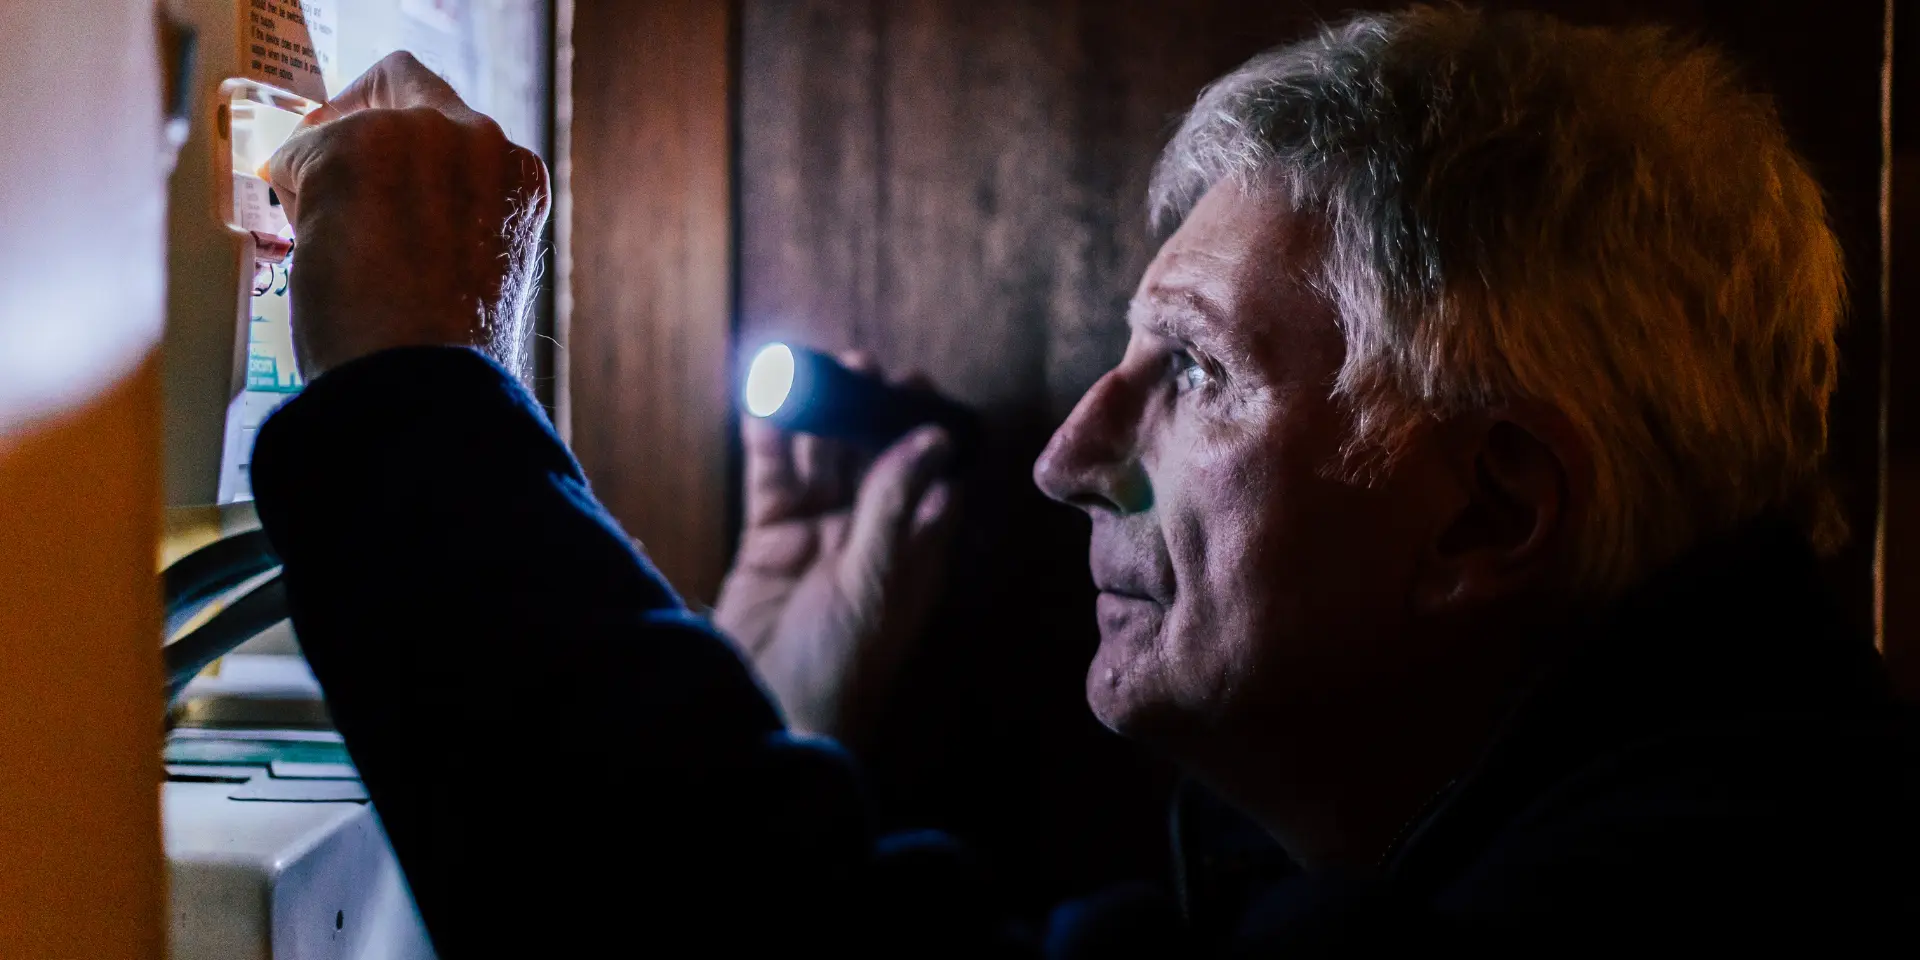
column 1127, row 696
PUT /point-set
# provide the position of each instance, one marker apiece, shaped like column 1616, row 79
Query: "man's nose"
column 1092, row 461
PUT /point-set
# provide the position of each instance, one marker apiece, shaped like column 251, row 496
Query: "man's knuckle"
column 326, row 169
column 367, row 130
column 332, row 154
column 531, row 171
column 431, row 122
column 401, row 62
column 349, row 129
column 489, row 131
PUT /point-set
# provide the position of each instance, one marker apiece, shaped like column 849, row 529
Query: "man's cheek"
column 1217, row 526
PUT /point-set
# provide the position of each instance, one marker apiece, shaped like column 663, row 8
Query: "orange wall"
column 80, row 704
column 82, row 281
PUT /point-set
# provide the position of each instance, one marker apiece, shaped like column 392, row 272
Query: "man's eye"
column 1188, row 374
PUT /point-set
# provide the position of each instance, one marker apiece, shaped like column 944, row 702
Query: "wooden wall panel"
column 1901, row 562
column 1822, row 61
column 648, row 257
column 958, row 187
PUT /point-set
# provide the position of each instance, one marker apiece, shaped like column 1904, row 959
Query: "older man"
column 1454, row 509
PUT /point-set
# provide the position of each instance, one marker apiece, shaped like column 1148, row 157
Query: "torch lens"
column 769, row 379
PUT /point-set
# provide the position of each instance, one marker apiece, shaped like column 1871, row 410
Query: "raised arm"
column 564, row 758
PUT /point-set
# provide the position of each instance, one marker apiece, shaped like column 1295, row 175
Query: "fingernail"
column 939, row 497
column 936, row 446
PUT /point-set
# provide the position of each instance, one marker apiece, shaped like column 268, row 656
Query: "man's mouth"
column 1126, row 583
column 1125, row 593
column 1129, row 568
column 1128, row 615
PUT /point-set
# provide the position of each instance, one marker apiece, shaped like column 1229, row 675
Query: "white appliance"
column 273, row 851
column 263, row 880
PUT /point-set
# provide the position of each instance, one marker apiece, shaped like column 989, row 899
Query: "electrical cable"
column 199, row 578
column 242, row 620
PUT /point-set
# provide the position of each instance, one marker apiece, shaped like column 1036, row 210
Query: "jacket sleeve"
column 565, row 759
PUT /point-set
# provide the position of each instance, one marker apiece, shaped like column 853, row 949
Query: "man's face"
column 1239, row 575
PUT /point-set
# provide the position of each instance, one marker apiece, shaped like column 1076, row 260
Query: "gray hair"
column 1599, row 219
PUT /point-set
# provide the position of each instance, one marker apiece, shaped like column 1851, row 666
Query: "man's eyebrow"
column 1177, row 313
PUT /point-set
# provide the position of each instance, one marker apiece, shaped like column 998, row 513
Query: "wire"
column 242, row 620
column 202, row 576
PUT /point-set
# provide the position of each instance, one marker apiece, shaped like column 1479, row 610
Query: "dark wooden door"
column 958, row 187
column 1900, row 563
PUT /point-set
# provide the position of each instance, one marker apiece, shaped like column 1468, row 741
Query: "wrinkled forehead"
column 1240, row 261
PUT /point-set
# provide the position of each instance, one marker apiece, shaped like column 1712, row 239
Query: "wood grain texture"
column 1900, row 564
column 1900, row 623
column 1822, row 63
column 650, row 250
column 958, row 187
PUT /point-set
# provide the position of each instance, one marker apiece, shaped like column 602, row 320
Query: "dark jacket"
column 569, row 763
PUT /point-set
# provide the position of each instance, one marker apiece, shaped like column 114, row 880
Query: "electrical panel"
column 260, row 66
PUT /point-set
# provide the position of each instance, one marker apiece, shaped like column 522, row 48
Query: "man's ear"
column 1517, row 478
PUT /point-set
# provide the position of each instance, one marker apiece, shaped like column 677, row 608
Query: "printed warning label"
column 270, row 361
column 254, row 209
column 288, row 44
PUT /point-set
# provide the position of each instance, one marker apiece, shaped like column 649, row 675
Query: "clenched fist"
column 418, row 223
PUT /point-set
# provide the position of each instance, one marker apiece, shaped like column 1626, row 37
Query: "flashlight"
column 810, row 392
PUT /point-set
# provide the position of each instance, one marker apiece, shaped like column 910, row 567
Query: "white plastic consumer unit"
column 280, row 879
column 273, row 852
column 260, row 65
column 271, row 847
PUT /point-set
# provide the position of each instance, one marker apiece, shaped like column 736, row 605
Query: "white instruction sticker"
column 253, row 208
column 288, row 44
column 442, row 15
column 324, row 34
